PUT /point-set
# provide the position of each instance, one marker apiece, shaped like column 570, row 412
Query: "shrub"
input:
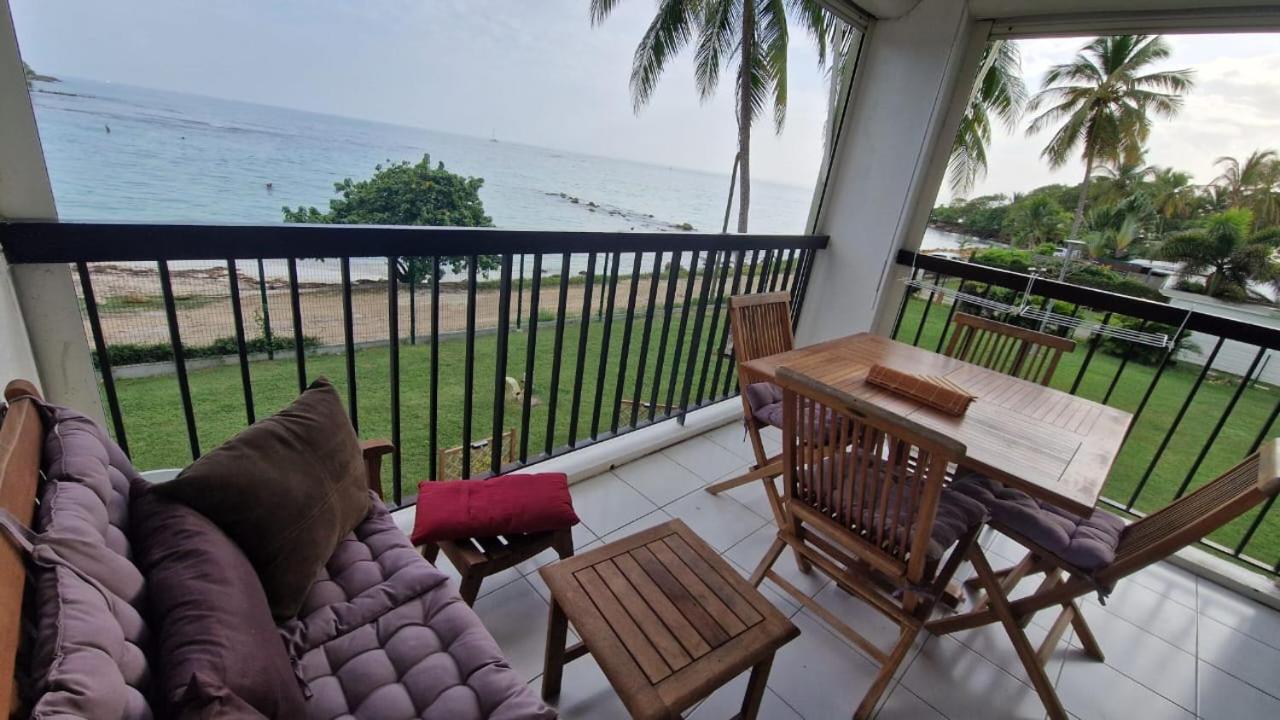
column 137, row 353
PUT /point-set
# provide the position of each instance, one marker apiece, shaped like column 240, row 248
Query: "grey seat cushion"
column 1088, row 543
column 765, row 401
column 382, row 634
column 87, row 657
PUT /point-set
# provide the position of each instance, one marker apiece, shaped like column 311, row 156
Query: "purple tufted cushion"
column 1088, row 543
column 765, row 401
column 382, row 634
column 87, row 658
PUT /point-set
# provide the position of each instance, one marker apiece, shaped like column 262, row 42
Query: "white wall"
column 40, row 326
column 889, row 163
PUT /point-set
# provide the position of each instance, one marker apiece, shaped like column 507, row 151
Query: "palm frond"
column 717, row 41
column 667, row 34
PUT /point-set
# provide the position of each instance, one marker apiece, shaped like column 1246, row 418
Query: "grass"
column 154, row 424
column 1234, row 441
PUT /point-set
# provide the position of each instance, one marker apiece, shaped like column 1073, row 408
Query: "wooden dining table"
column 1054, row 446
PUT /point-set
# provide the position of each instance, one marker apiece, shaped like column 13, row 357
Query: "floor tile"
column 1172, row 582
column 993, row 643
column 748, row 553
column 1241, row 613
column 535, row 577
column 585, row 693
column 1094, row 691
column 721, row 521
column 1153, row 612
column 818, row 675
column 864, row 619
column 1142, row 656
column 1242, row 656
column 516, row 616
column 902, row 704
column 781, row 600
column 659, row 478
column 1223, row 697
column 727, row 701
column 606, row 503
column 657, row 517
column 963, row 684
column 753, row 495
column 733, row 437
column 706, row 459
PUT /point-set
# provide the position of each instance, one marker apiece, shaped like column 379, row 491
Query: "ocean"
column 122, row 153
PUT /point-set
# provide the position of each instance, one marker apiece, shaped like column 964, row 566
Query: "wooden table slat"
column 689, row 607
column 645, row 618
column 718, row 584
column 689, row 638
column 714, row 606
column 633, row 638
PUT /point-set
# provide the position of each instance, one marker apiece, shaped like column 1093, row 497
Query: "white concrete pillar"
column 909, row 91
column 40, row 323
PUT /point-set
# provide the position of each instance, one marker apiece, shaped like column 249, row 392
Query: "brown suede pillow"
column 286, row 490
column 218, row 654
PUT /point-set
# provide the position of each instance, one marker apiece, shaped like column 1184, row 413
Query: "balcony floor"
column 1177, row 646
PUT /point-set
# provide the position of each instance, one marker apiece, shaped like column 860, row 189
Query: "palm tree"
column 999, row 91
column 754, row 32
column 1126, row 175
column 1224, row 248
column 1035, row 221
column 1104, row 99
column 1239, row 179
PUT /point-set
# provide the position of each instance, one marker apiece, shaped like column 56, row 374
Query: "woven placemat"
column 932, row 390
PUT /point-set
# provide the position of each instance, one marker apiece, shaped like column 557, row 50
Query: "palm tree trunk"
column 746, row 54
column 728, row 205
column 1084, row 194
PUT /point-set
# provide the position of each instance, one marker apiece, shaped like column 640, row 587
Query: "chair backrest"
column 862, row 475
column 1008, row 349
column 21, row 441
column 761, row 325
column 1197, row 514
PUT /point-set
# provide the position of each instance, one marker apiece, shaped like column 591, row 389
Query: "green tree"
column 1102, row 102
column 1036, row 220
column 408, row 194
column 1253, row 184
column 1224, row 248
column 754, row 32
column 999, row 91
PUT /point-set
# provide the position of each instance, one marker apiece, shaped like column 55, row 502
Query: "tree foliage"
column 1225, row 248
column 408, row 194
column 999, row 92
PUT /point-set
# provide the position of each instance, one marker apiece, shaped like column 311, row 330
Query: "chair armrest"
column 373, row 450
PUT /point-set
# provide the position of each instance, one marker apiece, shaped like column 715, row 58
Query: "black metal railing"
column 161, row 316
column 1199, row 404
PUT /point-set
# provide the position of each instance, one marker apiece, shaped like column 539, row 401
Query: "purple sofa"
column 382, row 634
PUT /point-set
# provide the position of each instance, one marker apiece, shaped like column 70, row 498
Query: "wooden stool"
column 478, row 558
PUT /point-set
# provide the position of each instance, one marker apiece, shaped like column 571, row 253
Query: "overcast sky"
column 532, row 72
column 1233, row 110
column 538, row 73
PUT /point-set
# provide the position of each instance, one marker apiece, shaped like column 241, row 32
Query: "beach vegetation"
column 999, row 94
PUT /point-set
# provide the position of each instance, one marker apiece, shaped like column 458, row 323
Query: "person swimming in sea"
column 270, row 187
column 108, row 127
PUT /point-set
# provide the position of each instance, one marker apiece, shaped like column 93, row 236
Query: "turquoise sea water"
column 177, row 157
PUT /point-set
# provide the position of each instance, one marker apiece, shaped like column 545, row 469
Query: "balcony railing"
column 530, row 344
column 1199, row 405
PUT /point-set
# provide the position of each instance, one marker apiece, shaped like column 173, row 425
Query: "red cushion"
column 504, row 505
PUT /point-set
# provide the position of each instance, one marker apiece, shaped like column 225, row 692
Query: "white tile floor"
column 1177, row 646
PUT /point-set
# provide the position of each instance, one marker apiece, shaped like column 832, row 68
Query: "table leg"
column 553, row 663
column 755, row 689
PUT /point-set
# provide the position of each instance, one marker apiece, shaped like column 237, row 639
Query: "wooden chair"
column 866, row 516
column 1141, row 544
column 760, row 325
column 1009, row 349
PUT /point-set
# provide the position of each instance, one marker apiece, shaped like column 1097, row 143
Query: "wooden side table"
column 668, row 620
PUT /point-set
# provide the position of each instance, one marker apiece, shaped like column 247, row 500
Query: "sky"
column 1233, row 110
column 529, row 72
column 538, row 73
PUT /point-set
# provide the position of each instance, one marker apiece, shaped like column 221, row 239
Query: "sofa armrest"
column 373, row 451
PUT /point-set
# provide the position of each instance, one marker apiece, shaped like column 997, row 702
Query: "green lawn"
column 153, row 412
column 155, row 428
column 1232, row 443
